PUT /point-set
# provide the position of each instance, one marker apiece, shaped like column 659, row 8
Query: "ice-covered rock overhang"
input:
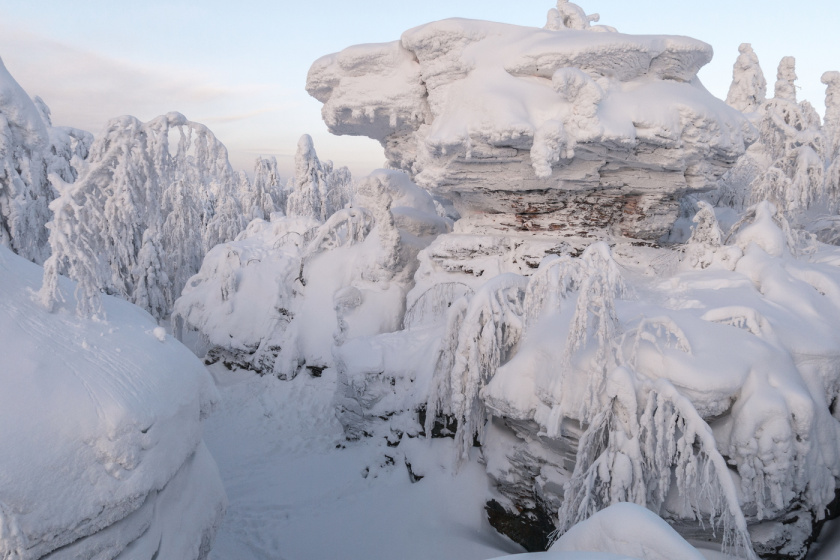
column 534, row 129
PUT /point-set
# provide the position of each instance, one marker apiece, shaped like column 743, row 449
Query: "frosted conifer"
column 785, row 78
column 749, row 88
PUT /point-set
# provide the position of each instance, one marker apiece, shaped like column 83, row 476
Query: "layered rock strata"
column 554, row 129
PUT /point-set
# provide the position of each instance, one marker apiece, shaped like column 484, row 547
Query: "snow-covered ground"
column 298, row 490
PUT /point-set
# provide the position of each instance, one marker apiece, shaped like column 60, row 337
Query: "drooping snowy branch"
column 595, row 320
column 266, row 195
column 555, row 278
column 634, row 455
column 480, row 336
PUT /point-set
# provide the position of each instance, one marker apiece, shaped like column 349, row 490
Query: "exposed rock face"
column 548, row 127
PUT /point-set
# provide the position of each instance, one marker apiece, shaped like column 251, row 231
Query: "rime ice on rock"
column 528, row 129
column 749, row 88
column 569, row 16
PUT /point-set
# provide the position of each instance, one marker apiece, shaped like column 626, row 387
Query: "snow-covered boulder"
column 539, row 129
column 101, row 432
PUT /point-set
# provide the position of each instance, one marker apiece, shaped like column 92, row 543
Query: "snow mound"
column 507, row 119
column 630, row 530
column 101, row 426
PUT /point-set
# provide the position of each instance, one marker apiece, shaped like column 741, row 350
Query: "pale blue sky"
column 240, row 67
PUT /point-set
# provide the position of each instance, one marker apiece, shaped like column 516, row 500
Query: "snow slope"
column 101, row 427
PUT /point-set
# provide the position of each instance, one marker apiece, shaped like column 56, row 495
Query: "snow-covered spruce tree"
column 749, row 88
column 183, row 247
column 375, row 190
column 30, row 149
column 786, row 77
column 481, row 335
column 747, row 93
column 705, row 246
column 153, row 280
column 317, row 190
column 831, row 132
column 791, row 143
column 134, row 181
column 266, row 195
column 68, row 146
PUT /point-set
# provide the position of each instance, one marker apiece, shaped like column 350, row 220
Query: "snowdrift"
column 101, row 431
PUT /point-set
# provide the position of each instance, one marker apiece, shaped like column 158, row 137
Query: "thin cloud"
column 233, row 118
column 84, row 89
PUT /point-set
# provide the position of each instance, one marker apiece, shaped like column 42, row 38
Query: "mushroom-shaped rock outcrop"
column 542, row 124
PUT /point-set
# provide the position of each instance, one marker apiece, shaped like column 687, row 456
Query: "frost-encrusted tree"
column 637, row 450
column 152, row 290
column 317, row 190
column 749, row 88
column 141, row 197
column 375, row 189
column 706, row 238
column 595, row 321
column 791, row 144
column 639, row 434
column 481, row 335
column 266, row 195
column 30, row 149
column 831, row 131
column 785, row 87
column 74, row 238
column 183, row 245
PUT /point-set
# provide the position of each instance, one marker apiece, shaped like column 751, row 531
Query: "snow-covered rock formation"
column 30, row 150
column 523, row 129
column 101, row 432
